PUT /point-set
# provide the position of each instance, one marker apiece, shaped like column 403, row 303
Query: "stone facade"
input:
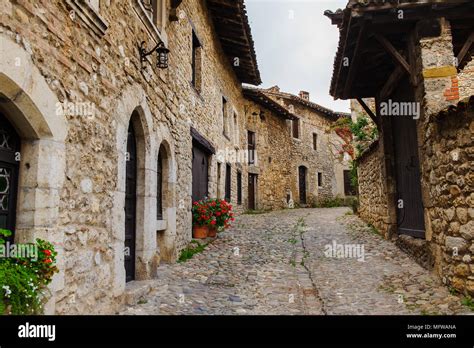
column 281, row 152
column 55, row 54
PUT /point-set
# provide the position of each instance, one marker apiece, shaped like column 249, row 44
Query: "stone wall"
column 87, row 65
column 448, row 166
column 373, row 198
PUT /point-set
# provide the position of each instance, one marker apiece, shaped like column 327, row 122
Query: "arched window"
column 9, row 150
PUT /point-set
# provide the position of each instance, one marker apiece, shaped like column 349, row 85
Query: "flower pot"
column 200, row 232
column 212, row 232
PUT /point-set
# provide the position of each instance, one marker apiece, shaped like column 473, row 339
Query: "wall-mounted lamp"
column 161, row 54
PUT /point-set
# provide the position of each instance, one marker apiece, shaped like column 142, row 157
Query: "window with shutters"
column 196, row 63
column 251, row 147
column 296, row 128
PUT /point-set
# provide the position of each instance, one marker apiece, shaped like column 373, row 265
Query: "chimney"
column 304, row 95
column 274, row 89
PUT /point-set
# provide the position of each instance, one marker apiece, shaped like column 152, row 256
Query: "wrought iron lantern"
column 161, row 54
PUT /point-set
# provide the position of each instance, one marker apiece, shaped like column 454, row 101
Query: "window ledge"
column 150, row 26
column 161, row 225
column 89, row 16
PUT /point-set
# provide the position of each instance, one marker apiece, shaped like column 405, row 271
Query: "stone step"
column 136, row 290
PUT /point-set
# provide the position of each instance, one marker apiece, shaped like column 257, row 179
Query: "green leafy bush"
column 23, row 281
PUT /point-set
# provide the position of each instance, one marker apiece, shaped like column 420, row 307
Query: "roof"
column 309, row 104
column 362, row 19
column 264, row 97
column 261, row 98
column 233, row 29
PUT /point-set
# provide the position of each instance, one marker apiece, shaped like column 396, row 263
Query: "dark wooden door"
column 252, row 187
column 348, row 188
column 228, row 182
column 9, row 169
column 410, row 219
column 159, row 187
column 200, row 174
column 302, row 184
column 130, row 205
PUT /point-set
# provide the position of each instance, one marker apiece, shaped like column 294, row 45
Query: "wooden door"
column 410, row 219
column 228, row 182
column 252, row 187
column 9, row 168
column 130, row 205
column 302, row 184
column 200, row 174
column 159, row 186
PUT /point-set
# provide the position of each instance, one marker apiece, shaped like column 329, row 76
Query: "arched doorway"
column 302, row 183
column 9, row 150
column 130, row 204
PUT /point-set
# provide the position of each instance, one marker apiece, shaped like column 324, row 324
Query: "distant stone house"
column 298, row 159
column 416, row 182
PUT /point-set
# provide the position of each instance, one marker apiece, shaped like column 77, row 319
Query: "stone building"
column 113, row 148
column 415, row 182
column 298, row 159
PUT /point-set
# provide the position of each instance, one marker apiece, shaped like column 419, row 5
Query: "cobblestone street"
column 275, row 263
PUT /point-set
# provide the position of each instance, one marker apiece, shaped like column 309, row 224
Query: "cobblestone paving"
column 275, row 263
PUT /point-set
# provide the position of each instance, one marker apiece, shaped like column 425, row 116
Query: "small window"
column 196, row 63
column 239, row 188
column 225, row 121
column 251, row 146
column 236, row 129
column 296, row 128
column 315, row 141
column 228, row 182
column 320, row 179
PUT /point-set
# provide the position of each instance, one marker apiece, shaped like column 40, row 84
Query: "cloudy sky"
column 296, row 45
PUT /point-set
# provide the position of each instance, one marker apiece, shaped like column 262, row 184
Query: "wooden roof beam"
column 393, row 52
column 368, row 111
column 392, row 82
column 465, row 49
column 361, row 38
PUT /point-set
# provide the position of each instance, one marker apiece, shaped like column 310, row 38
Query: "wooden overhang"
column 259, row 97
column 232, row 26
column 376, row 46
column 201, row 141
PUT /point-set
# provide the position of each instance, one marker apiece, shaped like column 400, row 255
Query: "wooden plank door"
column 228, row 182
column 302, row 184
column 130, row 205
column 9, row 169
column 200, row 174
column 410, row 219
column 252, row 186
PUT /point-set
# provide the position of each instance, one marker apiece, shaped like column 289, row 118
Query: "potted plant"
column 222, row 213
column 202, row 218
column 24, row 280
